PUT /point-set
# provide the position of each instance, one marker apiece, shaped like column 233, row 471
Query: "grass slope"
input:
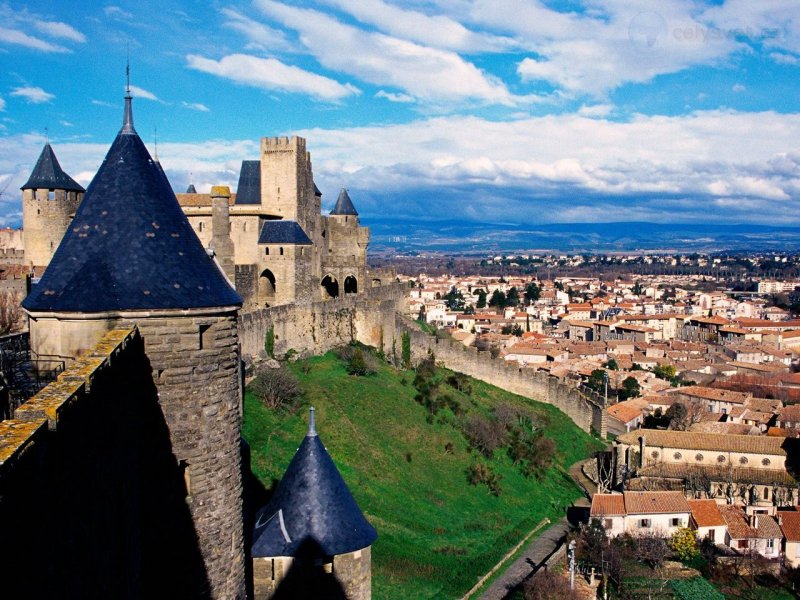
column 437, row 534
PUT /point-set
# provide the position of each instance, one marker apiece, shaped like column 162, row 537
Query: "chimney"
column 642, row 450
column 221, row 242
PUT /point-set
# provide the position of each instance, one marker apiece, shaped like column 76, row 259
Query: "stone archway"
column 350, row 285
column 266, row 287
column 329, row 287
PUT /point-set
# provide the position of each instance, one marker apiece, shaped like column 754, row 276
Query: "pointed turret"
column 344, row 206
column 191, row 189
column 131, row 234
column 312, row 508
column 48, row 174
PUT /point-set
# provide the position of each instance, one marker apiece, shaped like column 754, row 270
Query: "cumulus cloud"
column 438, row 31
column 271, row 74
column 116, row 13
column 13, row 36
column 34, row 95
column 59, row 30
column 424, row 72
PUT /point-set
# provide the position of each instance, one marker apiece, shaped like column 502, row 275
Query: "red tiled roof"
column 706, row 513
column 608, row 505
column 646, row 503
column 790, row 525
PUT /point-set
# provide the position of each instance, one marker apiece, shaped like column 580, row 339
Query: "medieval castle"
column 131, row 464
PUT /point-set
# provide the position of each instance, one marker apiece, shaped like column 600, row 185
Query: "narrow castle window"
column 200, row 226
column 281, row 250
column 266, row 251
column 183, row 466
column 206, row 337
column 51, row 194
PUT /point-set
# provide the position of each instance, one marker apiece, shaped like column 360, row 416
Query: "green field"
column 436, row 533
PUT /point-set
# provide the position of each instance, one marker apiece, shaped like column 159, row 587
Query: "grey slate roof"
column 248, row 190
column 311, row 508
column 191, row 189
column 316, row 191
column 344, row 206
column 130, row 246
column 283, row 232
column 48, row 174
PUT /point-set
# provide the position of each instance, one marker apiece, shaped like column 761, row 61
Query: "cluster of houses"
column 774, row 535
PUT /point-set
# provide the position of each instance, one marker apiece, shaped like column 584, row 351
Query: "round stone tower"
column 50, row 198
column 130, row 258
column 312, row 540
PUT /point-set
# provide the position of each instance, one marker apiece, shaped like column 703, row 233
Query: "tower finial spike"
column 155, row 143
column 127, row 119
column 312, row 424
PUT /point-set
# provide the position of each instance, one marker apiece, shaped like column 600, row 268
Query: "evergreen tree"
column 498, row 299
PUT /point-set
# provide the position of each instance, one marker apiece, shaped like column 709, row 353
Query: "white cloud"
column 17, row 22
column 117, row 13
column 393, row 97
column 66, row 123
column 438, row 31
column 738, row 88
column 784, row 59
column 2, row 104
column 271, row 74
column 196, row 106
column 259, row 35
column 144, row 94
column 34, row 95
column 59, row 30
column 13, row 36
column 596, row 110
column 104, row 103
column 423, row 72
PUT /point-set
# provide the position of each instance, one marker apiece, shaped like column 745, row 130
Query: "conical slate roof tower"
column 130, row 246
column 344, row 206
column 48, row 174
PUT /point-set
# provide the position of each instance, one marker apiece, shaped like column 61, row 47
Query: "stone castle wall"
column 99, row 500
column 581, row 406
column 371, row 318
column 319, row 326
column 46, row 220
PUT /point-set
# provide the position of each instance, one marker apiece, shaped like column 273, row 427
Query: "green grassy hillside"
column 407, row 471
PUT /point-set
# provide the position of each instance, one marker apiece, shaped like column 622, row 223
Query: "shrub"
column 460, row 382
column 405, row 350
column 269, row 342
column 276, row 388
column 546, row 585
column 484, row 434
column 695, row 588
column 684, row 544
column 481, row 473
column 360, row 363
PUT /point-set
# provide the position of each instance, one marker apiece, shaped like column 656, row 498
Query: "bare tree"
column 546, row 585
column 10, row 313
column 276, row 388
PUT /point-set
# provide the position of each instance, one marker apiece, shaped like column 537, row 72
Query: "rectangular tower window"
column 206, row 337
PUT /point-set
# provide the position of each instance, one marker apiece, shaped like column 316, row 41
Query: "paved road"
column 535, row 554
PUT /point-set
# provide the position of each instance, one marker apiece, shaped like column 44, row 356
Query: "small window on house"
column 281, row 250
column 711, row 534
column 741, row 544
column 675, row 522
column 742, row 460
column 766, row 493
column 645, row 523
column 608, row 523
column 770, row 543
column 698, row 457
column 765, row 462
column 654, row 454
column 206, row 337
column 677, row 456
column 721, row 458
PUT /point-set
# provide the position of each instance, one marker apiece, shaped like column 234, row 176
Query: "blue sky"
column 488, row 110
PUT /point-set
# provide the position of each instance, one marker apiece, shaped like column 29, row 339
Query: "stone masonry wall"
column 93, row 502
column 195, row 364
column 319, row 326
column 585, row 410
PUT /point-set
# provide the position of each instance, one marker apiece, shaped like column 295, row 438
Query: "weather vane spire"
column 127, row 120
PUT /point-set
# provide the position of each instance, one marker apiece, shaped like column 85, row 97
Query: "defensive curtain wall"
column 373, row 318
column 92, row 502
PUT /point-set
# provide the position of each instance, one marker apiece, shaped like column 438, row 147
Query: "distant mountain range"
column 484, row 238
